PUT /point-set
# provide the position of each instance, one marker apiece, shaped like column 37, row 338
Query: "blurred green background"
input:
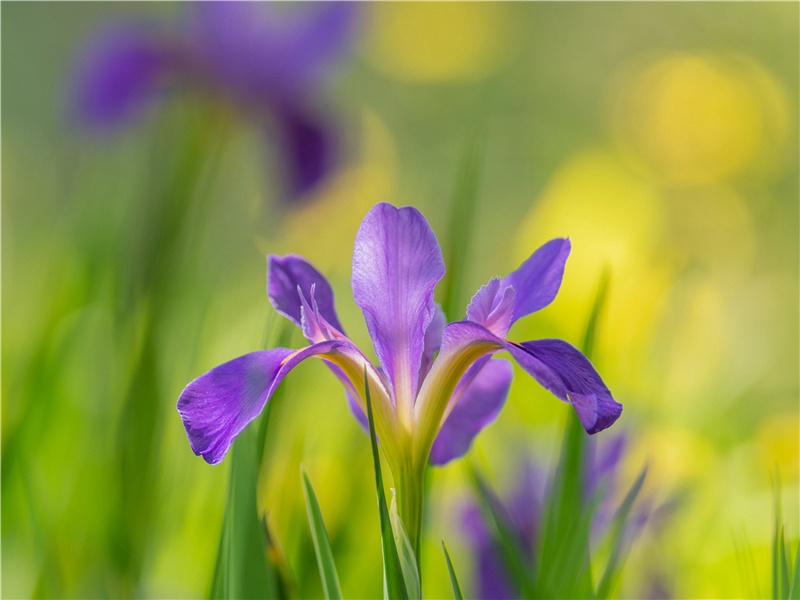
column 662, row 138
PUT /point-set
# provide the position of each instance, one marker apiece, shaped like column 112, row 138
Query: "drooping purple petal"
column 479, row 405
column 396, row 265
column 310, row 147
column 287, row 274
column 537, row 280
column 569, row 375
column 119, row 73
column 555, row 364
column 218, row 405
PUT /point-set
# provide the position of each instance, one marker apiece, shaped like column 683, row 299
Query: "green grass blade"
column 513, row 554
column 777, row 545
column 408, row 560
column 783, row 563
column 394, row 582
column 243, row 569
column 460, row 230
column 322, row 545
column 794, row 590
column 453, row 579
column 564, row 531
column 614, row 564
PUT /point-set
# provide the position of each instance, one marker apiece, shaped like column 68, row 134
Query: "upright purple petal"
column 397, row 263
column 493, row 307
column 479, row 405
column 119, row 73
column 287, row 274
column 433, row 341
column 537, row 280
column 310, row 147
column 569, row 375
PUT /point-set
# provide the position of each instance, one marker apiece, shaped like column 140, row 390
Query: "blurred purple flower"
column 523, row 511
column 270, row 62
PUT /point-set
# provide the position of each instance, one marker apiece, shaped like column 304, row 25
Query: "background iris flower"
column 523, row 515
column 271, row 63
column 425, row 404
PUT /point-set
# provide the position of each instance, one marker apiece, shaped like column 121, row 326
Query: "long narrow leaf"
column 394, row 583
column 618, row 538
column 794, row 591
column 322, row 545
column 512, row 552
column 243, row 569
column 564, row 533
column 408, row 560
column 453, row 579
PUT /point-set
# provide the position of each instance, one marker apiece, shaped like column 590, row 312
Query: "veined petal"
column 433, row 341
column 537, row 280
column 567, row 373
column 396, row 265
column 218, row 405
column 493, row 307
column 287, row 274
column 479, row 405
column 119, row 73
column 555, row 364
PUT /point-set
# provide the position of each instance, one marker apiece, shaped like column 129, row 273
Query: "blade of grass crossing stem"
column 408, row 560
column 460, row 228
column 560, row 533
column 777, row 545
column 614, row 564
column 512, row 552
column 453, row 579
column 394, row 583
column 242, row 568
column 322, row 545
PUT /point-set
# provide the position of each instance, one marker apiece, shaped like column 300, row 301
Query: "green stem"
column 410, row 498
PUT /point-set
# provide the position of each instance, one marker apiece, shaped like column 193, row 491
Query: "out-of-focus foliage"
column 667, row 151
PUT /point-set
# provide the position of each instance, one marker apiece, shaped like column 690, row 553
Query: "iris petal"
column 287, row 274
column 479, row 405
column 537, row 280
column 569, row 375
column 119, row 74
column 397, row 263
column 218, row 405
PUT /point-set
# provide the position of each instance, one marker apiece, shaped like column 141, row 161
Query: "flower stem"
column 410, row 498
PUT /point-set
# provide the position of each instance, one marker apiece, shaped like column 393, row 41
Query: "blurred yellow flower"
column 437, row 41
column 697, row 120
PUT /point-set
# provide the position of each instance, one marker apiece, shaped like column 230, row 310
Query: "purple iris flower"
column 436, row 385
column 270, row 62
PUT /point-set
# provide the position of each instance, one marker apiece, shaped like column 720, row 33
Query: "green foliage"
column 322, row 545
column 394, row 582
column 462, row 217
column 785, row 580
column 243, row 568
column 453, row 579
